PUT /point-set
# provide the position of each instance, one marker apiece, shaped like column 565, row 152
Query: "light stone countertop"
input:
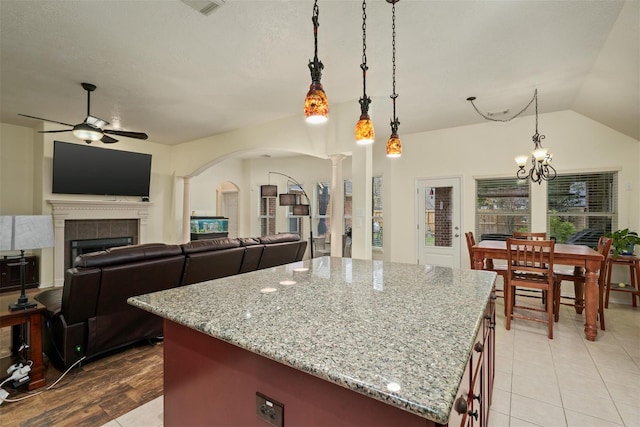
column 399, row 333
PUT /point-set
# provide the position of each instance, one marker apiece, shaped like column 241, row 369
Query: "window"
column 348, row 207
column 582, row 207
column 502, row 207
column 267, row 215
column 295, row 221
column 323, row 210
column 376, row 228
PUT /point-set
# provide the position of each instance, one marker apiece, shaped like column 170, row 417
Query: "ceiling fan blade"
column 53, row 131
column 46, row 120
column 108, row 140
column 137, row 135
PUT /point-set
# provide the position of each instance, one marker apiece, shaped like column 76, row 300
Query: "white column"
column 361, row 176
column 337, row 204
column 186, row 214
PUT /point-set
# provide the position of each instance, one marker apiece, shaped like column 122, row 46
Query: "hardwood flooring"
column 93, row 393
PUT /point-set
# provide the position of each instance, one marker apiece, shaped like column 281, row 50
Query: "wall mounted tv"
column 80, row 169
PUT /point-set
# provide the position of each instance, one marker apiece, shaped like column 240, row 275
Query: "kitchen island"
column 335, row 341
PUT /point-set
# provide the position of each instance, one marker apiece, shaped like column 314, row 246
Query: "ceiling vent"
column 205, row 7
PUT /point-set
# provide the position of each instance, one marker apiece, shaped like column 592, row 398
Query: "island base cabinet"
column 473, row 400
column 210, row 382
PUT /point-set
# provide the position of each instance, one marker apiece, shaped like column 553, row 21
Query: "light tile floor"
column 567, row 381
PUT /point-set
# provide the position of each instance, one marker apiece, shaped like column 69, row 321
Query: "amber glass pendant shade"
column 365, row 133
column 394, row 146
column 316, row 106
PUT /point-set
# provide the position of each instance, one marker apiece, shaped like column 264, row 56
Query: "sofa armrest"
column 52, row 299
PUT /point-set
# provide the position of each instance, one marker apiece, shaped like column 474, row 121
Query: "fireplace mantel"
column 63, row 210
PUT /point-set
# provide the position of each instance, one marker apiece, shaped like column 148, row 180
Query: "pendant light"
column 365, row 133
column 316, row 106
column 541, row 169
column 394, row 146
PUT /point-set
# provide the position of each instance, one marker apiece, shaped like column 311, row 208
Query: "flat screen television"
column 81, row 169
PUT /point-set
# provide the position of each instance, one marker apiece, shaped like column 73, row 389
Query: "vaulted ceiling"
column 165, row 69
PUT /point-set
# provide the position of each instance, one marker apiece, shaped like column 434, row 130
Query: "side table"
column 32, row 317
column 633, row 288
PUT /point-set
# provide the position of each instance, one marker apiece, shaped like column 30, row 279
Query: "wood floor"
column 93, row 393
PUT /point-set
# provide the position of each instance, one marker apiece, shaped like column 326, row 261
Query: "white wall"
column 488, row 149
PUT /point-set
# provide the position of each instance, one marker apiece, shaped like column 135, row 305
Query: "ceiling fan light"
column 316, row 106
column 86, row 132
column 365, row 133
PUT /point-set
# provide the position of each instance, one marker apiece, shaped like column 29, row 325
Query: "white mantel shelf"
column 63, row 210
column 107, row 209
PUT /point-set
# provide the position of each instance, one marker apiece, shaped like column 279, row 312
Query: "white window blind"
column 502, row 207
column 582, row 207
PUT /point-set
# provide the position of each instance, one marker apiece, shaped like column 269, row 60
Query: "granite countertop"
column 399, row 333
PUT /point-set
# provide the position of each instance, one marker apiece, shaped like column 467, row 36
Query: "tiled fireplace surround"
column 82, row 219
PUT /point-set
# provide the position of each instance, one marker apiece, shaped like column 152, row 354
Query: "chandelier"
column 394, row 146
column 365, row 133
column 540, row 158
column 316, row 106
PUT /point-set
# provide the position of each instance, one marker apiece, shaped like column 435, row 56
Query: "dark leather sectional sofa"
column 89, row 316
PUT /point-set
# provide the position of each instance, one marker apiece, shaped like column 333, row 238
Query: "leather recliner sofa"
column 89, row 316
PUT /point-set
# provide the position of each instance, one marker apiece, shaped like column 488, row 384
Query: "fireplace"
column 84, row 246
column 88, row 220
column 91, row 235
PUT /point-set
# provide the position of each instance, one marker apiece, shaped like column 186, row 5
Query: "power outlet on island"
column 269, row 410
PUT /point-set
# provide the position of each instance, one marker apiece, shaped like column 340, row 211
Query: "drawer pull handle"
column 474, row 414
column 478, row 347
column 461, row 405
column 478, row 397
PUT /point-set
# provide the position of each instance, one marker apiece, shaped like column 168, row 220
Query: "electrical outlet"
column 269, row 410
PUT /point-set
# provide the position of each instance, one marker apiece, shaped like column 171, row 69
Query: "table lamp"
column 22, row 232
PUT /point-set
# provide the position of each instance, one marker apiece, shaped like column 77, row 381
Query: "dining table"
column 581, row 256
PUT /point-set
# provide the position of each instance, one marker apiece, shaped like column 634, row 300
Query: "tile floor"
column 567, row 381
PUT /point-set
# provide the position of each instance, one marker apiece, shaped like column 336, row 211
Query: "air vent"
column 205, row 7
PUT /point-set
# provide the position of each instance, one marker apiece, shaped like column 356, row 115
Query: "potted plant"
column 623, row 242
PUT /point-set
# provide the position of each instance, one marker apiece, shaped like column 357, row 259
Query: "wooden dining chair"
column 576, row 275
column 500, row 269
column 530, row 235
column 530, row 265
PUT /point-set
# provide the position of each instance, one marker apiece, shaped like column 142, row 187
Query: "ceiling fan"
column 92, row 128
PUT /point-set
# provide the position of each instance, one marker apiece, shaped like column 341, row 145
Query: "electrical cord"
column 39, row 392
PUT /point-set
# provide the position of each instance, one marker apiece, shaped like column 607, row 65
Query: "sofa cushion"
column 126, row 254
column 279, row 238
column 207, row 245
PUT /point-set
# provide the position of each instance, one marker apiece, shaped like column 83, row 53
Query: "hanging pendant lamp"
column 316, row 106
column 394, row 146
column 365, row 133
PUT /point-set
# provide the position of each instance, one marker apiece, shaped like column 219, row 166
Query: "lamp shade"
column 268, row 190
column 288, row 199
column 301, row 209
column 394, row 147
column 87, row 132
column 365, row 134
column 316, row 106
column 22, row 232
